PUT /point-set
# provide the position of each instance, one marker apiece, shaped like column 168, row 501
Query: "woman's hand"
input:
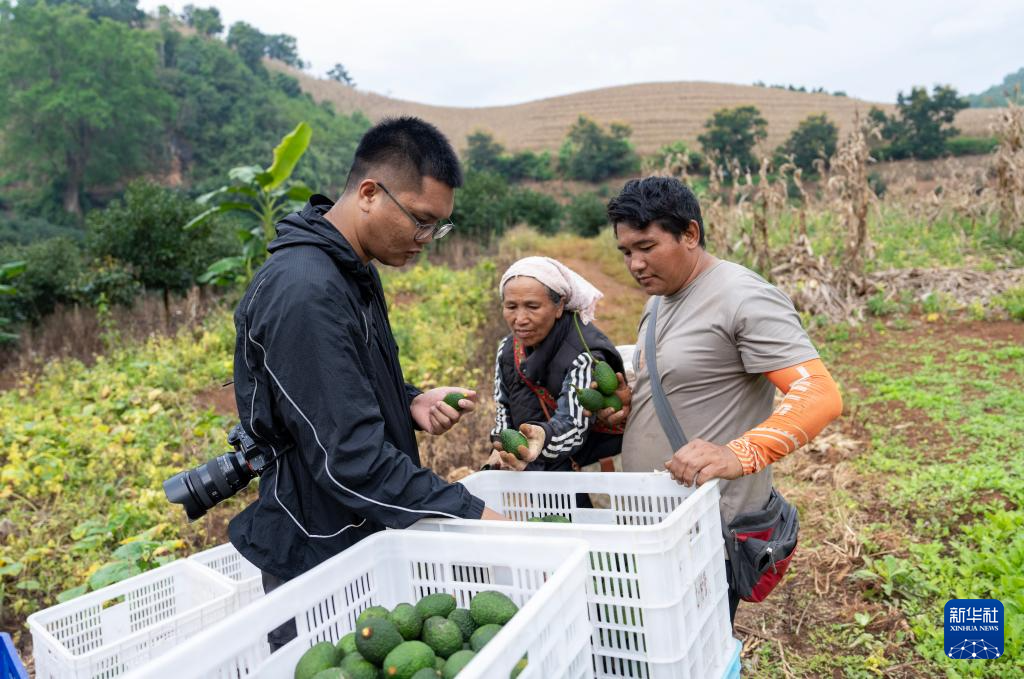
column 615, row 418
column 505, row 460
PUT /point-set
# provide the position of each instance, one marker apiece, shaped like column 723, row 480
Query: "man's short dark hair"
column 407, row 149
column 664, row 201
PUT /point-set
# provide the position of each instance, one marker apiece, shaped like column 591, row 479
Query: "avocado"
column 442, row 635
column 511, row 440
column 550, row 518
column 318, row 658
column 605, row 377
column 463, row 618
column 482, row 636
column 427, row 673
column 456, row 663
column 376, row 638
column 590, row 399
column 346, row 645
column 331, row 673
column 453, row 399
column 408, row 658
column 371, row 612
column 358, row 667
column 438, row 664
column 439, row 603
column 613, row 402
column 408, row 620
column 492, row 607
column 518, row 669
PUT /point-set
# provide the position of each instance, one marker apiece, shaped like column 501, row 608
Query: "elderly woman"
column 552, row 350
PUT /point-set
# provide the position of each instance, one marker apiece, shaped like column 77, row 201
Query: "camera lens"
column 200, row 488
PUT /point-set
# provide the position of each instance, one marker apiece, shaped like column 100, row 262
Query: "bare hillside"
column 658, row 112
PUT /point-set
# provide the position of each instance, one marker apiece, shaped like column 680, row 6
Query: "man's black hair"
column 408, row 147
column 665, row 201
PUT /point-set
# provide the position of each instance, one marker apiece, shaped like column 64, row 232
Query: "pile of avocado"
column 429, row 640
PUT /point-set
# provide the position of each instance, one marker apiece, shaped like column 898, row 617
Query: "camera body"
column 200, row 488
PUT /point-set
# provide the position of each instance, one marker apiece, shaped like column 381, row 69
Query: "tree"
column 922, row 124
column 814, row 138
column 124, row 11
column 284, row 48
column 143, row 230
column 252, row 45
column 206, row 21
column 732, row 134
column 338, row 73
column 80, row 101
column 483, row 153
column 591, row 154
column 249, row 43
column 587, row 214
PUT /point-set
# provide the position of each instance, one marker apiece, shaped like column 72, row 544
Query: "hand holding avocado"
column 436, row 411
column 525, row 445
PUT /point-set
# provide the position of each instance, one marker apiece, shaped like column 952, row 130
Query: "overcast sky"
column 479, row 53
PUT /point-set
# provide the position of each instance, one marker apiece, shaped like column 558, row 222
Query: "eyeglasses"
column 424, row 232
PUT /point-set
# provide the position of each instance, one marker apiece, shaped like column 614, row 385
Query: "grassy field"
column 659, row 113
column 912, row 498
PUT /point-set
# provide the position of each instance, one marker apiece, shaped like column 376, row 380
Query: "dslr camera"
column 200, row 488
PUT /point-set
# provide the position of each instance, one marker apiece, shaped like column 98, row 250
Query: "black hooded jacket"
column 317, row 381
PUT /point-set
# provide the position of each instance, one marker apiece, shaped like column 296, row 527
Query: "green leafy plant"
column 262, row 197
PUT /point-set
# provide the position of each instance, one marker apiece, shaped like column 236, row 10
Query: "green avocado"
column 442, row 635
column 407, row 659
column 371, row 612
column 427, row 673
column 438, row 603
column 331, row 673
column 456, row 663
column 590, row 399
column 492, row 607
column 605, row 377
column 463, row 618
column 358, row 667
column 511, row 440
column 408, row 620
column 318, row 658
column 346, row 645
column 376, row 638
column 483, row 635
column 613, row 402
column 453, row 399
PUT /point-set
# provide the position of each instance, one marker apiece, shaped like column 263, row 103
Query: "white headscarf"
column 579, row 295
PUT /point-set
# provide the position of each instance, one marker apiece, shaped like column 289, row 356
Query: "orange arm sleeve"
column 812, row 400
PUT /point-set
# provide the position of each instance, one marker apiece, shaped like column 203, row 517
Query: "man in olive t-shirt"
column 725, row 340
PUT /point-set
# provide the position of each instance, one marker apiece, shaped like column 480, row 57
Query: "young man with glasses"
column 317, row 377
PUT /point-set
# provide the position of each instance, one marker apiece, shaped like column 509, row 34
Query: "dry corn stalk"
column 851, row 193
column 1008, row 169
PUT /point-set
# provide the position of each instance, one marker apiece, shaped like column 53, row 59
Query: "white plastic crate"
column 110, row 631
column 656, row 587
column 544, row 577
column 245, row 577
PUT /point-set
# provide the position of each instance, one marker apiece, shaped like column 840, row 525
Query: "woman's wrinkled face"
column 528, row 309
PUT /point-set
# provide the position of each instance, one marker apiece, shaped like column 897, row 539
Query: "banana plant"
column 263, row 196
